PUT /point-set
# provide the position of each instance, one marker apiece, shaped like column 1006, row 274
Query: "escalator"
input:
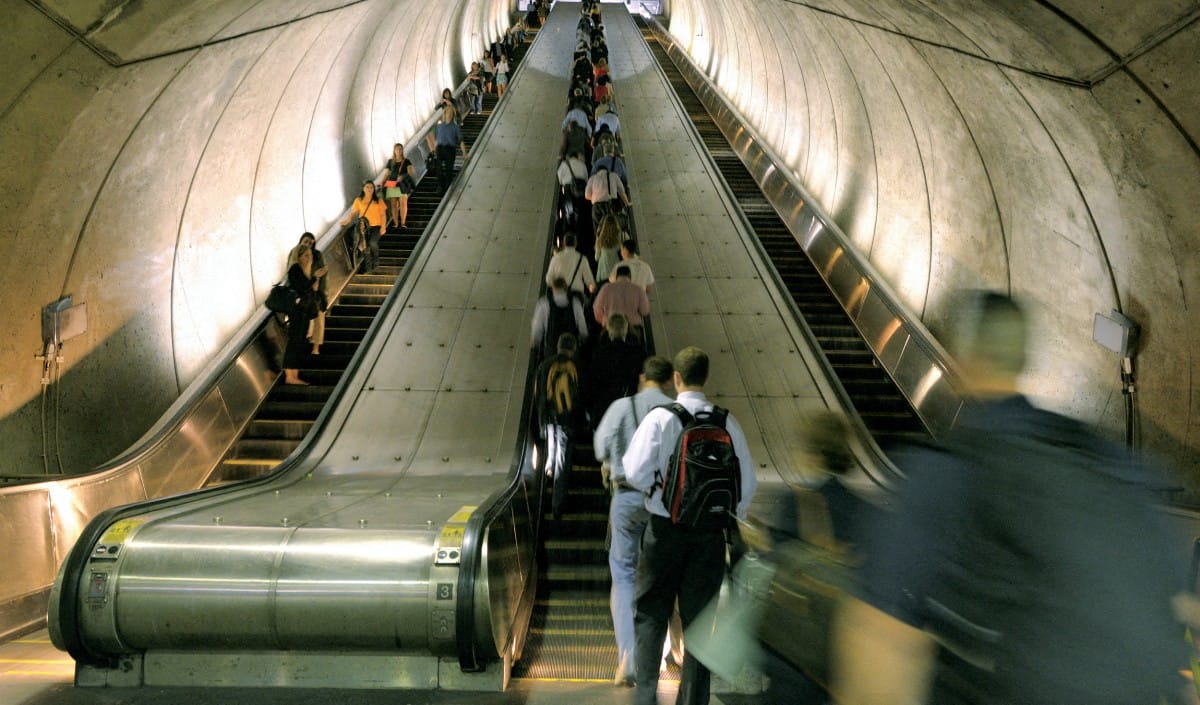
column 884, row 410
column 288, row 411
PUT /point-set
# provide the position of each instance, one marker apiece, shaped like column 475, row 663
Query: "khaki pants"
column 316, row 329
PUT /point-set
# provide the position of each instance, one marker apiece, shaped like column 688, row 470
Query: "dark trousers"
column 445, row 155
column 681, row 563
column 372, row 248
column 560, row 451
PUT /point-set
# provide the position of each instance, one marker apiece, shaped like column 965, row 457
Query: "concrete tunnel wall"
column 1045, row 150
column 160, row 159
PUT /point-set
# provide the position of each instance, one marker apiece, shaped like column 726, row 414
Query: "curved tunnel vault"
column 162, row 158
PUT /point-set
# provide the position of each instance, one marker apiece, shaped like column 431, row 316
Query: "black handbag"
column 282, row 299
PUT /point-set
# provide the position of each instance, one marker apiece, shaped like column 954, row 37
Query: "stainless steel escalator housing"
column 399, row 568
column 176, row 455
column 920, row 366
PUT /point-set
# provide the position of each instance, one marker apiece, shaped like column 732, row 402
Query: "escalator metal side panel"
column 922, row 369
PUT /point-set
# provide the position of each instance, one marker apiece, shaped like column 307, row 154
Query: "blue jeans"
column 628, row 516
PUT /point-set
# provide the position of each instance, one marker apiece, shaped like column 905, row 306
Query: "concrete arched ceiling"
column 162, row 157
column 1047, row 149
column 160, row 161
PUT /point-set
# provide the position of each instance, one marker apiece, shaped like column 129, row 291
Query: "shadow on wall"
column 101, row 404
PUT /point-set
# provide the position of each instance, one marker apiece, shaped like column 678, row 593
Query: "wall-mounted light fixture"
column 1119, row 333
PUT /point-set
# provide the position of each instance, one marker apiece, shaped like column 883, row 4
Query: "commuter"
column 608, row 159
column 608, row 248
column 475, row 88
column 623, row 297
column 1028, row 544
column 627, row 513
column 639, row 271
column 613, row 371
column 678, row 561
column 302, row 280
column 575, row 140
column 489, row 72
column 602, row 88
column 398, row 184
column 606, row 193
column 447, row 101
column 556, row 388
column 572, row 267
column 501, row 75
column 316, row 328
column 449, row 137
column 579, row 116
column 559, row 311
column 607, row 119
column 601, row 68
column 369, row 206
column 573, row 174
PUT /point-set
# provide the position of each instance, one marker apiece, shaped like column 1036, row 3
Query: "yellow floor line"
column 37, row 660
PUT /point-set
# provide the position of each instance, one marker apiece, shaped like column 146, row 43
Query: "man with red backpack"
column 692, row 460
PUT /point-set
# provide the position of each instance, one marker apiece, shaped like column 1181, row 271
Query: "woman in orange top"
column 369, row 205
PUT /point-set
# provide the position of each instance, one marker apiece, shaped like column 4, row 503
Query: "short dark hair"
column 692, row 365
column 623, row 271
column 657, row 369
column 570, row 240
column 631, row 245
column 558, row 283
column 567, row 344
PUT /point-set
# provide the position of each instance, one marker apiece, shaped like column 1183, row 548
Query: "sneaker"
column 625, row 676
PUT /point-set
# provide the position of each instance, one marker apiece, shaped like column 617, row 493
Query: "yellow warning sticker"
column 462, row 515
column 120, row 531
column 452, row 535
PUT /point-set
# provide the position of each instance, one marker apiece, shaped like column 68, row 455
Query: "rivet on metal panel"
column 408, row 389
column 387, row 494
column 762, row 465
column 441, row 345
column 408, row 344
column 371, row 388
column 328, row 493
column 449, row 389
column 478, row 345
column 284, row 521
column 445, row 458
column 362, row 523
column 485, row 390
column 439, row 495
column 487, row 459
column 396, row 458
column 216, row 520
column 429, row 522
column 354, row 457
column 276, row 493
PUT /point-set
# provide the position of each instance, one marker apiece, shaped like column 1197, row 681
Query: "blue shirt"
column 618, row 424
column 448, row 134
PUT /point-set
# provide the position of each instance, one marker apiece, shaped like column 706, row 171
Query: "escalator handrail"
column 69, row 598
column 919, row 334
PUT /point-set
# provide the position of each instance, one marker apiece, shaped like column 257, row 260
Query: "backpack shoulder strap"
column 685, row 417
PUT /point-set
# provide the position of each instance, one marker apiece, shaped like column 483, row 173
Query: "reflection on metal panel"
column 897, row 337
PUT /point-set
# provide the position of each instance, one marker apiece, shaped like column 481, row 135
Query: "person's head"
column 558, row 284
column 368, row 190
column 691, row 368
column 617, row 326
column 990, row 342
column 567, row 344
column 397, row 151
column 623, row 272
column 308, row 240
column 826, row 435
column 629, row 248
column 657, row 370
column 447, row 95
column 570, row 240
column 305, row 257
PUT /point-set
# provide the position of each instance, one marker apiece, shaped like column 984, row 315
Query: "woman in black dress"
column 301, row 280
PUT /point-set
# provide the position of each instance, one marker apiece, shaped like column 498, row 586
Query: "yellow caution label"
column 120, row 531
column 452, row 535
column 462, row 515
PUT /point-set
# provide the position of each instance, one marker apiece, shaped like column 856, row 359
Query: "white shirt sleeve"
column 745, row 465
column 646, row 454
